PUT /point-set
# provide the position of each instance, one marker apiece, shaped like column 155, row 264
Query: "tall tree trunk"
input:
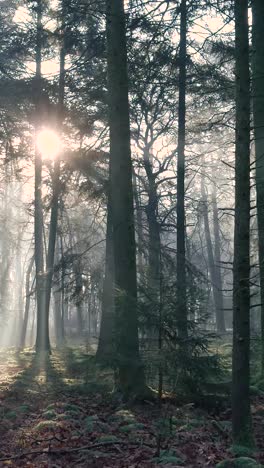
column 56, row 174
column 217, row 257
column 58, row 303
column 64, row 315
column 241, row 417
column 139, row 230
column 181, row 260
column 6, row 258
column 213, row 267
column 154, row 246
column 106, row 337
column 130, row 374
column 42, row 338
column 154, row 230
column 258, row 111
column 27, row 305
column 19, row 279
column 79, row 295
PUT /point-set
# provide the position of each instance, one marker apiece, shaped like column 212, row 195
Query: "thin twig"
column 70, row 450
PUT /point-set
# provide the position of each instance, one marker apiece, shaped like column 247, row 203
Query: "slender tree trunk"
column 154, row 247
column 140, row 235
column 130, row 375
column 27, row 305
column 58, row 305
column 79, row 296
column 181, row 260
column 64, row 315
column 6, row 258
column 20, row 288
column 42, row 338
column 241, row 417
column 106, row 337
column 214, row 269
column 154, row 230
column 56, row 176
column 57, row 316
column 217, row 257
column 258, row 111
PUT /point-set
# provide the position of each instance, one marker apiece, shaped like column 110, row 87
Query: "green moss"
column 47, row 425
column 51, row 407
column 131, row 427
column 50, row 414
column 255, row 390
column 89, row 424
column 73, row 414
column 260, row 385
column 72, row 407
column 24, row 409
column 11, row 415
column 168, row 456
column 242, row 451
column 241, row 462
column 123, row 416
column 65, row 417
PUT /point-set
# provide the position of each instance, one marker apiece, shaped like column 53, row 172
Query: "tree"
column 214, row 268
column 56, row 189
column 106, row 337
column 42, row 338
column 181, row 258
column 258, row 113
column 241, row 417
column 130, row 375
column 28, row 293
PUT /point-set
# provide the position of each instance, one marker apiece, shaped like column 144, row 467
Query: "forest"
column 132, row 233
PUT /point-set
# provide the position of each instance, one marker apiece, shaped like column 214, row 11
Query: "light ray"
column 48, row 143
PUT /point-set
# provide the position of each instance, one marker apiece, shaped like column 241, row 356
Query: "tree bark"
column 154, row 229
column 56, row 175
column 214, row 269
column 78, row 294
column 241, row 416
column 58, row 303
column 42, row 338
column 106, row 337
column 139, row 229
column 130, row 374
column 181, row 258
column 27, row 305
column 258, row 113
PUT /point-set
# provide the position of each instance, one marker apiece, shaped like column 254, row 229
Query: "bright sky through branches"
column 48, row 143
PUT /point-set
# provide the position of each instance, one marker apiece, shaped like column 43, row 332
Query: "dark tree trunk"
column 106, row 337
column 258, row 111
column 42, row 338
column 241, row 416
column 56, row 176
column 181, row 260
column 130, row 375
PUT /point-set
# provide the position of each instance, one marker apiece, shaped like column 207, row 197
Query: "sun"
column 48, row 143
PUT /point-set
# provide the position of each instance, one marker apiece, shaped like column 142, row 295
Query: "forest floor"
column 59, row 412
